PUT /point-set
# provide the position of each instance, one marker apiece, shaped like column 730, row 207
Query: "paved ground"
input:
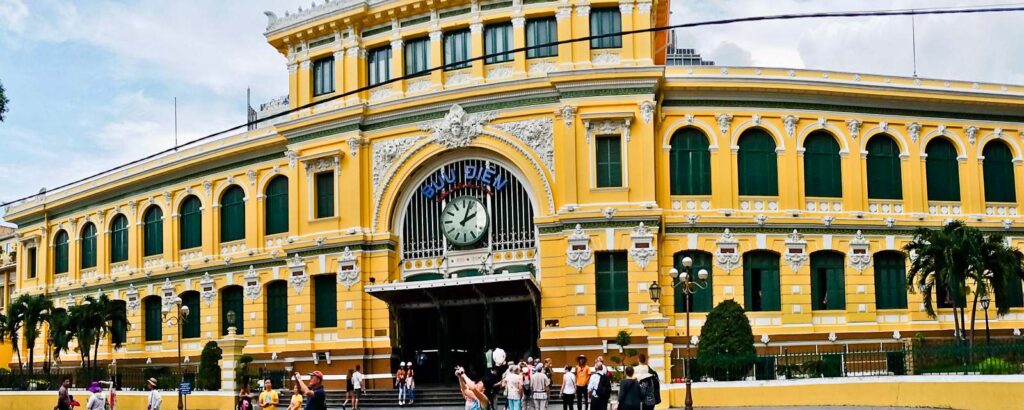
column 559, row 407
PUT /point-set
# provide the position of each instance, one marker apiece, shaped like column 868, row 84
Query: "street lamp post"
column 683, row 281
column 985, row 302
column 181, row 314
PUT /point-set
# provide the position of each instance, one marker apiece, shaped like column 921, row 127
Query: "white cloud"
column 13, row 14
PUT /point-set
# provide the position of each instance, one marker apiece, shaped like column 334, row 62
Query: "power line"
column 1014, row 7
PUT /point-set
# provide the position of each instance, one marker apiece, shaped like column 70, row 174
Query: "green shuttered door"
column 605, row 21
column 885, row 175
column 943, row 171
column 118, row 331
column 417, row 56
column 325, row 194
column 689, row 163
column 758, row 164
column 119, row 239
column 277, row 206
column 232, row 215
column 828, row 283
column 231, row 300
column 325, row 291
column 609, row 162
column 89, row 246
column 823, row 175
column 378, row 64
column 761, row 281
column 60, row 253
column 456, row 49
column 998, row 170
column 702, row 299
column 612, row 282
column 191, row 221
column 153, row 232
column 190, row 328
column 154, row 320
column 890, row 280
column 277, row 307
column 498, row 39
column 541, row 31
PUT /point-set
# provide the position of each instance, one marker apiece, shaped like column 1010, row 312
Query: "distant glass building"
column 683, row 56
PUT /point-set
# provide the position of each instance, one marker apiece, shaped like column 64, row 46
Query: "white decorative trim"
column 384, row 155
column 538, row 134
column 354, row 143
column 860, row 253
column 348, row 269
column 568, row 113
column 252, row 284
column 579, row 253
column 541, row 67
column 457, row 129
column 727, row 256
column 647, row 111
column 206, row 289
column 642, row 250
column 789, row 123
column 972, row 134
column 298, row 277
column 132, row 296
column 914, row 129
column 854, row 126
column 796, row 251
column 723, row 122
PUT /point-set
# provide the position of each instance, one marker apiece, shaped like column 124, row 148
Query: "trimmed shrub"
column 209, row 368
column 726, row 350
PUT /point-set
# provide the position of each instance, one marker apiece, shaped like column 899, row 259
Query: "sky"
column 92, row 84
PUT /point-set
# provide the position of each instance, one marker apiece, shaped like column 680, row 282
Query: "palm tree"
column 114, row 319
column 34, row 310
column 60, row 334
column 12, row 330
column 935, row 260
column 87, row 328
column 1002, row 267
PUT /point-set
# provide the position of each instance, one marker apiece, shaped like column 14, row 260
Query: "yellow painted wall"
column 125, row 400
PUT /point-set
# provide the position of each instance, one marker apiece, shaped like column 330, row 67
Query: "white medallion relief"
column 348, row 269
column 252, row 284
column 458, row 128
column 298, row 277
column 789, row 122
column 727, row 256
column 796, row 251
column 643, row 249
column 723, row 122
column 168, row 299
column 860, row 255
column 537, row 134
column 647, row 111
column 568, row 113
column 132, row 294
column 207, row 293
column 579, row 254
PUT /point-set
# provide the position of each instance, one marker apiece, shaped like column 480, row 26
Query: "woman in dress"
column 350, row 394
column 513, row 385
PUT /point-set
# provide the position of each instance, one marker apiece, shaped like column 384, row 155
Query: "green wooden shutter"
column 191, row 223
column 417, row 56
column 378, row 63
column 325, row 292
column 758, row 164
column 885, row 173
column 324, row 194
column 153, row 232
column 231, row 300
column 823, row 175
column 323, row 76
column 943, row 171
column 60, row 253
column 154, row 319
column 609, row 162
column 538, row 32
column 689, row 163
column 88, row 246
column 277, row 205
column 703, row 299
column 998, row 171
column 605, row 21
column 456, row 49
column 190, row 328
column 498, row 39
column 828, row 281
column 118, row 331
column 890, row 280
column 32, row 266
column 761, row 274
column 119, row 239
column 277, row 307
column 232, row 215
column 1014, row 292
column 612, row 282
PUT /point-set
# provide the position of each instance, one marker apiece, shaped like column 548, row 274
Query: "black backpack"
column 651, row 389
column 604, row 387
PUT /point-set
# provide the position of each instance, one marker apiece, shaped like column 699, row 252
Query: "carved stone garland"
column 579, row 254
column 643, row 249
column 207, row 293
column 168, row 297
column 607, row 127
column 796, row 251
column 727, row 256
column 384, row 155
column 298, row 277
column 860, row 255
column 132, row 296
column 537, row 134
column 348, row 269
column 457, row 129
column 252, row 284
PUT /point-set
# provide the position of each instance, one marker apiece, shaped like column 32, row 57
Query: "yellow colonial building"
column 528, row 200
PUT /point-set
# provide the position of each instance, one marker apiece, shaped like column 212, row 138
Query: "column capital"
column 518, row 22
column 476, row 28
column 397, row 44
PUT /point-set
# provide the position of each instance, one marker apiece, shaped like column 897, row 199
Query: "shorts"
column 359, row 392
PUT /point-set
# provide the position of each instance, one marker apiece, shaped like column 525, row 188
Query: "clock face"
column 464, row 221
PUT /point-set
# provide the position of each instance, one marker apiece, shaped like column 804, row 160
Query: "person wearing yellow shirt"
column 296, row 403
column 269, row 398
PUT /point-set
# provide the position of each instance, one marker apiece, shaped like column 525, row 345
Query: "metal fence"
column 920, row 357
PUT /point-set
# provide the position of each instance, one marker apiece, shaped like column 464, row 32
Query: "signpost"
column 185, row 389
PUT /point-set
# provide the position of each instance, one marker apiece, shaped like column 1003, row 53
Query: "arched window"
column 119, row 239
column 60, row 253
column 689, row 163
column 325, row 307
column 943, row 171
column 702, row 299
column 231, row 300
column 88, row 256
column 998, row 170
column 890, row 280
column 190, row 328
column 277, row 306
column 119, row 330
column 232, row 214
column 757, row 164
column 153, row 231
column 191, row 223
column 823, row 174
column 828, row 281
column 885, row 175
column 761, row 289
column 153, row 318
column 277, row 205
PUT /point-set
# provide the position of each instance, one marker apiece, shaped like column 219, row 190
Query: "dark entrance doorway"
column 442, row 323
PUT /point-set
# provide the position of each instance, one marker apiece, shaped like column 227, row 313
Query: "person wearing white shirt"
column 154, row 401
column 568, row 388
column 357, row 386
column 597, row 402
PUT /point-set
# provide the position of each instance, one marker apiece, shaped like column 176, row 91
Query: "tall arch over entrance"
column 466, row 280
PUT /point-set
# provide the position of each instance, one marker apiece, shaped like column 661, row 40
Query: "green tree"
column 60, row 333
column 31, row 311
column 726, row 347
column 10, row 330
column 209, row 367
column 3, row 102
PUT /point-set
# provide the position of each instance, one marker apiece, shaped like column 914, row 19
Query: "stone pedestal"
column 658, row 357
column 231, row 349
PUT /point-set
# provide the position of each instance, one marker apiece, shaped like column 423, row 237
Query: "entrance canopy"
column 486, row 289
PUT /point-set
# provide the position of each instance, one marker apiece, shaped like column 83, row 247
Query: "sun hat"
column 152, row 381
column 94, row 387
column 401, row 364
column 317, row 373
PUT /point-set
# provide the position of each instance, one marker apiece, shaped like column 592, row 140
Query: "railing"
column 921, row 358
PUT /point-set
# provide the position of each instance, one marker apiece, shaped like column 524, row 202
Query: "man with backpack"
column 599, row 388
